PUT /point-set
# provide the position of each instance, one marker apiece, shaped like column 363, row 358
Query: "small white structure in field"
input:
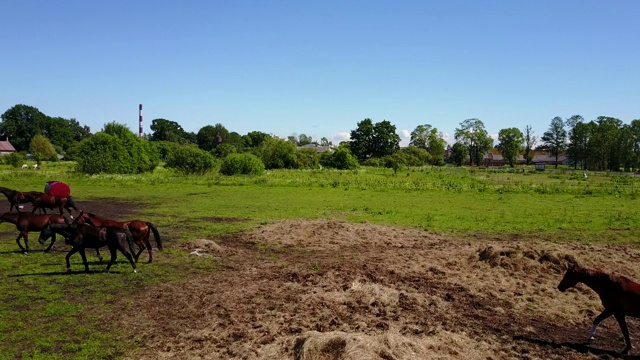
column 25, row 166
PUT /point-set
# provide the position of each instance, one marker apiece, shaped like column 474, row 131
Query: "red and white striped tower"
column 140, row 115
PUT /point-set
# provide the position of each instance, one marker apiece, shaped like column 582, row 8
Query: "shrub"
column 103, row 153
column 307, row 159
column 189, row 159
column 341, row 159
column 223, row 150
column 245, row 164
column 166, row 148
column 116, row 150
column 278, row 154
column 14, row 159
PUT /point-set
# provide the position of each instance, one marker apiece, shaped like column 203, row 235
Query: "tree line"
column 605, row 143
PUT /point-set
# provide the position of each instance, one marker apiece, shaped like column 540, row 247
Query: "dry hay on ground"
column 303, row 289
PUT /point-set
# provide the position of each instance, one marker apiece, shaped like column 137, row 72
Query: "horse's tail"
column 129, row 240
column 156, row 234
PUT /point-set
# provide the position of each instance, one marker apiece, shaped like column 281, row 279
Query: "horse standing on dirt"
column 44, row 201
column 82, row 237
column 26, row 222
column 620, row 296
column 140, row 230
column 15, row 197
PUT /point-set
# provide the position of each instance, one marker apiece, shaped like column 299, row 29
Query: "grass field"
column 48, row 314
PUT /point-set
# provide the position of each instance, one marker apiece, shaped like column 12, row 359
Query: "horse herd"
column 87, row 230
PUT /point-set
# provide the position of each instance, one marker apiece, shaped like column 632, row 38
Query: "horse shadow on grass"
column 66, row 273
column 580, row 347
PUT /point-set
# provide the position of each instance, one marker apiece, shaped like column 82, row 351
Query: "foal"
column 620, row 296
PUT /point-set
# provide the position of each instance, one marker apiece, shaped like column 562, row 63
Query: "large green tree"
column 555, row 138
column 475, row 138
column 211, row 136
column 459, row 153
column 59, row 132
column 254, row 139
column 20, row 124
column 578, row 150
column 429, row 138
column 511, row 141
column 167, row 130
column 374, row 140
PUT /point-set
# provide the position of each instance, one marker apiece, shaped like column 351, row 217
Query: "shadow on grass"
column 66, row 273
column 582, row 348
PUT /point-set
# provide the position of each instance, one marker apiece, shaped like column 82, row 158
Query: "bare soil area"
column 323, row 289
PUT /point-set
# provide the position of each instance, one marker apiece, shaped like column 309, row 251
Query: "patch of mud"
column 324, row 289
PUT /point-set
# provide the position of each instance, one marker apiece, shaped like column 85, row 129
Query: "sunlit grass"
column 46, row 313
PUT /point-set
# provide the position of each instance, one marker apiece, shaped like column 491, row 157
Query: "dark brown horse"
column 620, row 296
column 141, row 230
column 27, row 222
column 82, row 237
column 15, row 197
column 43, row 201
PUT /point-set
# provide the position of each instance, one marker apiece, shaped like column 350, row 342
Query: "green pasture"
column 46, row 313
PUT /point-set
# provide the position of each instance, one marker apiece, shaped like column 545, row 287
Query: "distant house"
column 545, row 157
column 6, row 148
column 316, row 147
column 494, row 157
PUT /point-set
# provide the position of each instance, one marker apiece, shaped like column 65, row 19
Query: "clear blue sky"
column 319, row 67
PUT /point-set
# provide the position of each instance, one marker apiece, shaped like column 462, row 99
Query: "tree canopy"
column 374, row 140
column 511, row 142
column 555, row 138
column 475, row 138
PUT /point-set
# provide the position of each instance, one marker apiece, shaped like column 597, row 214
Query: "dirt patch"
column 304, row 289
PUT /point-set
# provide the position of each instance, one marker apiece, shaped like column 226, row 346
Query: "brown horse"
column 15, row 197
column 620, row 296
column 43, row 201
column 141, row 230
column 26, row 222
column 82, row 237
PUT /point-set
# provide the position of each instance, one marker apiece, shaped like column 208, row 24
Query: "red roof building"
column 6, row 148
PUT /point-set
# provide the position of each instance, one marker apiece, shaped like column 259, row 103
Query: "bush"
column 307, row 159
column 14, row 159
column 165, row 148
column 223, row 150
column 189, row 159
column 103, row 153
column 341, row 159
column 278, row 154
column 245, row 164
column 116, row 150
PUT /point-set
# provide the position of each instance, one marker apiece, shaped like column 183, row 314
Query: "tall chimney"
column 140, row 115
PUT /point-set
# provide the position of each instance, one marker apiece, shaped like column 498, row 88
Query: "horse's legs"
column 625, row 331
column 126, row 254
column 71, row 252
column 20, row 245
column 84, row 259
column 140, row 250
column 98, row 254
column 605, row 314
column 114, row 255
column 148, row 244
column 53, row 240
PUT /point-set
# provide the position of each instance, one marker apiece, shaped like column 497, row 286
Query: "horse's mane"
column 610, row 276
